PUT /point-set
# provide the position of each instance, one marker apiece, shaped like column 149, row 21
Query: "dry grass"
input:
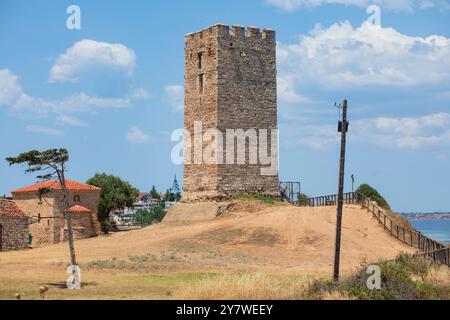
column 281, row 240
column 254, row 286
column 439, row 276
column 246, row 286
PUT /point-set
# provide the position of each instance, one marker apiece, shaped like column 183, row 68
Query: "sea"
column 438, row 230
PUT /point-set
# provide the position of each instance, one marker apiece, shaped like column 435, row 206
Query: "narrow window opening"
column 76, row 199
column 200, row 83
column 200, row 59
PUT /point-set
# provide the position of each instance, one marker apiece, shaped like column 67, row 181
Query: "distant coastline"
column 418, row 216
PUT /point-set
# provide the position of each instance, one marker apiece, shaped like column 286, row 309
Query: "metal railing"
column 290, row 191
column 435, row 250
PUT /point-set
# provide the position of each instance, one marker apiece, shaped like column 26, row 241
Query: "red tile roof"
column 79, row 209
column 141, row 195
column 10, row 209
column 55, row 185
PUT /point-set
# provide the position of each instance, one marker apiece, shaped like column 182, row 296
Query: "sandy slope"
column 281, row 239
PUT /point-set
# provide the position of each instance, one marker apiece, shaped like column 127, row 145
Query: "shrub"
column 397, row 278
column 147, row 217
column 373, row 195
column 302, row 197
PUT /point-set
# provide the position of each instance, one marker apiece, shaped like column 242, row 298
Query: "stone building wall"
column 14, row 233
column 238, row 68
column 32, row 206
column 52, row 228
column 85, row 225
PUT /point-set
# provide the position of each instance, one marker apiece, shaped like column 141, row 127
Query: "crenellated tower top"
column 233, row 32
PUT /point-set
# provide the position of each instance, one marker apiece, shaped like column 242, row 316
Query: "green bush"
column 265, row 199
column 397, row 282
column 147, row 217
column 302, row 197
column 258, row 197
column 373, row 195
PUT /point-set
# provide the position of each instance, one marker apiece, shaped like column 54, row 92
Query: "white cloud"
column 175, row 95
column 406, row 132
column 87, row 56
column 139, row 94
column 17, row 100
column 398, row 133
column 44, row 130
column 10, row 89
column 343, row 56
column 70, row 121
column 398, row 5
column 136, row 135
column 286, row 91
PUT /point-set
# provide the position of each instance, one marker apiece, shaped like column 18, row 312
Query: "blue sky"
column 112, row 92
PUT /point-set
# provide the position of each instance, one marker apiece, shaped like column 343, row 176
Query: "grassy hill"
column 158, row 261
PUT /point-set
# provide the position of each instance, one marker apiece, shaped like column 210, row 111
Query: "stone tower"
column 230, row 84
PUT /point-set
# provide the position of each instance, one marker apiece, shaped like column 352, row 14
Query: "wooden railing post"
column 431, row 248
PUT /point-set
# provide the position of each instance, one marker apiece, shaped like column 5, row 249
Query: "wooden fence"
column 435, row 250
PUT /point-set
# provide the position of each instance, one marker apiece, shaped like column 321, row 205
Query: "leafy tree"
column 154, row 193
column 149, row 216
column 373, row 195
column 52, row 164
column 169, row 196
column 116, row 194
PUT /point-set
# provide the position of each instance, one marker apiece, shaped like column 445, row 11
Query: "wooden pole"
column 344, row 128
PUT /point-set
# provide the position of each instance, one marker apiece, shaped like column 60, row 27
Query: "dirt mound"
column 204, row 211
column 282, row 237
column 246, row 237
column 240, row 207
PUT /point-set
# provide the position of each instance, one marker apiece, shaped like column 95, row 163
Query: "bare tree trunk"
column 68, row 217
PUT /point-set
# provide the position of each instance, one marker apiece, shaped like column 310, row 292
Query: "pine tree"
column 154, row 193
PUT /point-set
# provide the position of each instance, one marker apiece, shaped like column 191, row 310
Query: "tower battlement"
column 233, row 32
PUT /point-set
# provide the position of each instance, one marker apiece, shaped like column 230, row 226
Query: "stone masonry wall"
column 85, row 225
column 32, row 206
column 239, row 92
column 200, row 178
column 52, row 228
column 14, row 233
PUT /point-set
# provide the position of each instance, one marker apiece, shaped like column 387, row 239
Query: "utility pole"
column 343, row 128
